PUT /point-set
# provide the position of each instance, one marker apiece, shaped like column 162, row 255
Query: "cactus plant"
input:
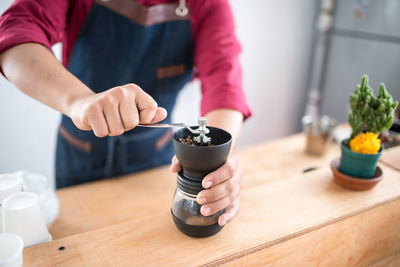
column 370, row 113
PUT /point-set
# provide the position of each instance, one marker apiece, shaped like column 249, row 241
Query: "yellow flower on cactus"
column 366, row 143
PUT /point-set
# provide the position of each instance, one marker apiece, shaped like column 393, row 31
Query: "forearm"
column 228, row 119
column 35, row 71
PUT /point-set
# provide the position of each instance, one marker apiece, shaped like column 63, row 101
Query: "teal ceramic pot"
column 357, row 164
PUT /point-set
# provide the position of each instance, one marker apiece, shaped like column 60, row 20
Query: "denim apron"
column 112, row 50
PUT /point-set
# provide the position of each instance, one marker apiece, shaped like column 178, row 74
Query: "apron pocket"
column 75, row 142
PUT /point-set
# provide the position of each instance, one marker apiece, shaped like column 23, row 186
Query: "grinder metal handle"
column 201, row 130
column 169, row 125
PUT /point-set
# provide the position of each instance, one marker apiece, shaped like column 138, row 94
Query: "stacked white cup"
column 11, row 247
column 22, row 216
column 9, row 184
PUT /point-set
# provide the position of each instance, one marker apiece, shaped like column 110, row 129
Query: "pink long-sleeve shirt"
column 216, row 54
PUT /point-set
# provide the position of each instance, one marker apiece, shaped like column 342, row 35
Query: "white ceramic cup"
column 22, row 216
column 11, row 247
column 9, row 184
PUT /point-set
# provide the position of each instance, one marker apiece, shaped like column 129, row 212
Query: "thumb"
column 175, row 165
column 160, row 115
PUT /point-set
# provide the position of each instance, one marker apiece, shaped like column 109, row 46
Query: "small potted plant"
column 369, row 116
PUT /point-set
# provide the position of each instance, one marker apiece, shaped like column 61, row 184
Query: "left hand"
column 222, row 189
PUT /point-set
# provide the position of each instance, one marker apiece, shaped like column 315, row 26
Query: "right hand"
column 115, row 111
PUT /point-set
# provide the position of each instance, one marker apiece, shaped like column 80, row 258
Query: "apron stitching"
column 163, row 140
column 170, row 71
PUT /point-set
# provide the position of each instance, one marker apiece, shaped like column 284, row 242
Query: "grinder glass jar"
column 187, row 216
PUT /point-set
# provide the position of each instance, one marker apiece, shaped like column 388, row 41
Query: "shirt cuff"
column 227, row 102
column 12, row 38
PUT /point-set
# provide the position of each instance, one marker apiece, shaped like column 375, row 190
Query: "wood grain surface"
column 370, row 238
column 107, row 202
column 127, row 221
column 391, row 157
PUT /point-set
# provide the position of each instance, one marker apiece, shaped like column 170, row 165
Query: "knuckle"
column 93, row 110
column 133, row 87
column 101, row 133
column 116, row 132
column 91, row 117
column 232, row 198
column 129, row 126
column 131, row 123
column 107, row 99
column 230, row 172
column 213, row 194
column 231, row 162
column 231, row 186
column 220, row 205
column 227, row 164
column 135, row 121
column 120, row 131
column 236, row 193
column 216, row 206
column 236, row 205
column 153, row 105
column 122, row 91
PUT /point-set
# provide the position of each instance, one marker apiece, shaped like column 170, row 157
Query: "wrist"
column 73, row 99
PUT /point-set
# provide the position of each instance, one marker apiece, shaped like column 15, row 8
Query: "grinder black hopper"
column 198, row 161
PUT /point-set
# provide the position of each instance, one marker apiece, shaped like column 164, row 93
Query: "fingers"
column 148, row 109
column 230, row 187
column 231, row 206
column 99, row 126
column 160, row 115
column 175, row 165
column 219, row 197
column 223, row 173
column 216, row 206
column 97, row 121
column 128, row 111
column 230, row 213
column 116, row 110
column 112, row 116
column 224, row 191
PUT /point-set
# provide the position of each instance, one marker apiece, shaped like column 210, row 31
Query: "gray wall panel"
column 380, row 17
column 348, row 59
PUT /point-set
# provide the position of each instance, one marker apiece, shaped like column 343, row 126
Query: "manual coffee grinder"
column 208, row 151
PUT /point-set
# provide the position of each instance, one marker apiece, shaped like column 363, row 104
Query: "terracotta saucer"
column 354, row 183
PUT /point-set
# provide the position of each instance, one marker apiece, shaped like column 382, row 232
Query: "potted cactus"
column 369, row 116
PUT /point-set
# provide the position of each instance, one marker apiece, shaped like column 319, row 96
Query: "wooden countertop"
column 286, row 217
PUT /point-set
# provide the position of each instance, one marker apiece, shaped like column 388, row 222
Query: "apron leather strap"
column 144, row 15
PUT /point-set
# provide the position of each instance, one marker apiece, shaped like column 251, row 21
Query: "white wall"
column 276, row 40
